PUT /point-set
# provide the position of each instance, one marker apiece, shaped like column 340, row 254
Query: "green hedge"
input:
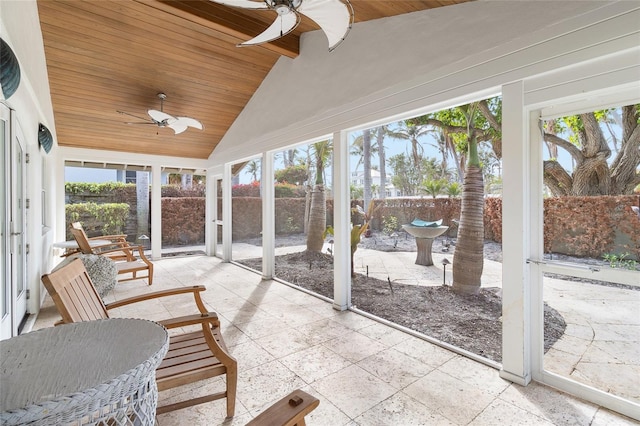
column 98, row 219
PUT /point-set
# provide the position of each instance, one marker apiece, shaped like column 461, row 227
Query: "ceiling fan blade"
column 178, row 126
column 159, row 116
column 247, row 4
column 335, row 17
column 135, row 116
column 188, row 121
column 140, row 122
column 283, row 25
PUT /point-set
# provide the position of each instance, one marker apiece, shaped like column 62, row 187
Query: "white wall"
column 20, row 28
column 395, row 65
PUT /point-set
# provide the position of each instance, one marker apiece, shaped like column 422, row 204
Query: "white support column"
column 341, row 223
column 535, row 242
column 227, row 208
column 516, row 321
column 60, row 226
column 156, row 212
column 268, row 217
column 209, row 212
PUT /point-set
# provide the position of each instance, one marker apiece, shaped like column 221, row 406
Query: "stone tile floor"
column 363, row 372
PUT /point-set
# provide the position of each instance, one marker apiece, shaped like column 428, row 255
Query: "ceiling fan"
column 162, row 119
column 335, row 17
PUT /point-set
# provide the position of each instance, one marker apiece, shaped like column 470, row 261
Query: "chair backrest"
column 74, row 294
column 82, row 239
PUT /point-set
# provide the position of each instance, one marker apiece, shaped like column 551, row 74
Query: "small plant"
column 453, row 190
column 434, row 187
column 620, row 261
column 390, row 225
column 290, row 227
column 357, row 231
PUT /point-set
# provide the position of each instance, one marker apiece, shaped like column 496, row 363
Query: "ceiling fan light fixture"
column 162, row 119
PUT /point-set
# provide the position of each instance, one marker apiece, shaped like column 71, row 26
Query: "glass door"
column 217, row 220
column 14, row 255
column 5, row 259
column 18, row 227
column 588, row 264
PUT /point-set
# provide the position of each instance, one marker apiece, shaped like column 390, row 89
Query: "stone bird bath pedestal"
column 424, row 240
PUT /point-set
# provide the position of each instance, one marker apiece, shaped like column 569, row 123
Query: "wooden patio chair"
column 125, row 260
column 288, row 411
column 192, row 356
column 114, row 241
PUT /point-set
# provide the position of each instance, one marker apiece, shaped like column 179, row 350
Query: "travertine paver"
column 405, row 380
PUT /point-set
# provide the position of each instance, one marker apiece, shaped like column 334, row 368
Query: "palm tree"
column 318, row 204
column 453, row 190
column 410, row 131
column 468, row 258
column 434, row 187
column 142, row 205
column 366, row 162
column 253, row 168
column 381, row 132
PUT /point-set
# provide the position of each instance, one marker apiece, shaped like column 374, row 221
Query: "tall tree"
column 405, row 176
column 318, row 204
column 411, row 130
column 467, row 126
column 289, row 157
column 366, row 163
column 583, row 138
column 142, row 207
column 253, row 168
column 468, row 258
column 380, row 133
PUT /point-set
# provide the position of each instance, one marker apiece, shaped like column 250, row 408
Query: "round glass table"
column 95, row 372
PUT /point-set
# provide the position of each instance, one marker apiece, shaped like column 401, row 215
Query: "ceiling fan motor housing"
column 282, row 7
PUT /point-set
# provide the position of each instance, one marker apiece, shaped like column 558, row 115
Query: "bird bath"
column 424, row 240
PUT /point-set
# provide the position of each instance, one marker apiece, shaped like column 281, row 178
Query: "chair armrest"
column 114, row 247
column 121, row 237
column 184, row 321
column 288, row 411
column 196, row 289
column 209, row 322
column 126, row 248
column 142, row 255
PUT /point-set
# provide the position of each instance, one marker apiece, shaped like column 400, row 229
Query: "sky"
column 392, row 146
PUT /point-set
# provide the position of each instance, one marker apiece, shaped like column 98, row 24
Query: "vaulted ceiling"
column 108, row 56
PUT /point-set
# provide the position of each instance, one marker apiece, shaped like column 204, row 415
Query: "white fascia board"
column 104, row 156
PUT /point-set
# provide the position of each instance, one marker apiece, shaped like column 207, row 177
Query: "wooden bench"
column 288, row 411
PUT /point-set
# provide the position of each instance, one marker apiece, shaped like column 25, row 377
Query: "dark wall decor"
column 45, row 138
column 9, row 70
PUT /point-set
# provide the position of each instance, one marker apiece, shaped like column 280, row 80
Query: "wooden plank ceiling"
column 106, row 55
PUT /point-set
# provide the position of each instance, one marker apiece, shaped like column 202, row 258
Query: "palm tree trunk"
column 366, row 161
column 142, row 205
column 383, row 163
column 317, row 219
column 468, row 257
